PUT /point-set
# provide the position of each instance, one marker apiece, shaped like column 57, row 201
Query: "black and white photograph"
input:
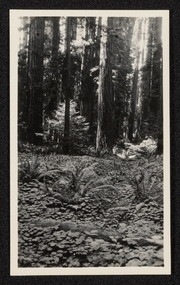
column 90, row 158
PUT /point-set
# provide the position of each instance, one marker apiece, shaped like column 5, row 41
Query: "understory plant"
column 73, row 179
column 32, row 169
column 144, row 180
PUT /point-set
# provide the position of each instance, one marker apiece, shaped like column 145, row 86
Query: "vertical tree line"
column 67, row 75
column 35, row 80
column 111, row 68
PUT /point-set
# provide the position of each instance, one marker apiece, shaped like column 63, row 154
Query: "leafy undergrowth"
column 85, row 212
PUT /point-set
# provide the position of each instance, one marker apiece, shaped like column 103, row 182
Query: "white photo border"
column 14, row 269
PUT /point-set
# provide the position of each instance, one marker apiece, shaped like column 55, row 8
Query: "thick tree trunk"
column 87, row 84
column 108, row 100
column 85, row 74
column 55, row 62
column 104, row 137
column 67, row 86
column 35, row 78
column 23, row 100
column 140, row 40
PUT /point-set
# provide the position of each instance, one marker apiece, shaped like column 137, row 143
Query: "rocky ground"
column 82, row 211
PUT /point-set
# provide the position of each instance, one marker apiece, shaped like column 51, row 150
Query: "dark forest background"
column 88, row 84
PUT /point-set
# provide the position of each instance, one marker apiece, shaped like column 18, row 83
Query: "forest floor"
column 105, row 224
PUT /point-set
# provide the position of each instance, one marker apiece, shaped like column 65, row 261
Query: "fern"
column 30, row 170
column 76, row 175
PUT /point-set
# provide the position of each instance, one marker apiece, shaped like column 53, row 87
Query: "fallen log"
column 107, row 235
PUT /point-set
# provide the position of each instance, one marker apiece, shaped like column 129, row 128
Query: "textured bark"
column 140, row 82
column 104, row 136
column 133, row 106
column 160, row 113
column 55, row 65
column 108, row 92
column 73, row 28
column 87, row 84
column 100, row 136
column 35, row 78
column 23, row 107
column 67, row 72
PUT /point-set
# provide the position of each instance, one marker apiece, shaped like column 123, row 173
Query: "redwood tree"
column 67, row 84
column 35, row 80
column 55, row 79
column 104, row 136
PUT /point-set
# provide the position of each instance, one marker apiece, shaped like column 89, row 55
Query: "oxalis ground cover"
column 83, row 211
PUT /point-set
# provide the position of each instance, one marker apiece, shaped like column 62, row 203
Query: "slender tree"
column 100, row 136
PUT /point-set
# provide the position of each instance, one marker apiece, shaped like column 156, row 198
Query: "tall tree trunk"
column 147, row 86
column 87, row 63
column 23, row 107
column 84, row 72
column 141, row 83
column 160, row 112
column 100, row 136
column 87, row 83
column 54, row 82
column 55, row 62
column 108, row 99
column 133, row 106
column 91, row 82
column 140, row 41
column 67, row 88
column 104, row 137
column 35, row 78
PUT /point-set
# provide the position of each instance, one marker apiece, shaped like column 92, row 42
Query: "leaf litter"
column 100, row 223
